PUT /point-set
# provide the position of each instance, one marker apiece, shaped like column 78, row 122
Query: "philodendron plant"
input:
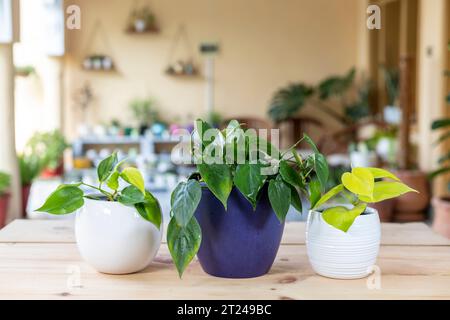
column 234, row 157
column 359, row 188
column 68, row 198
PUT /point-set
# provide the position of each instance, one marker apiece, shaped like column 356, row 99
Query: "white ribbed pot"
column 114, row 238
column 343, row 255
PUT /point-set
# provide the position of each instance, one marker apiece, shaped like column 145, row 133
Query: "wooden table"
column 40, row 260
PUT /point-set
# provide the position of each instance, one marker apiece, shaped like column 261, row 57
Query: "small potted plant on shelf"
column 30, row 167
column 142, row 20
column 5, row 181
column 118, row 230
column 343, row 238
column 231, row 212
column 145, row 113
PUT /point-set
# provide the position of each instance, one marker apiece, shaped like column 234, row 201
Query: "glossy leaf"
column 290, row 175
column 150, row 209
column 384, row 190
column 314, row 192
column 113, row 181
column 133, row 177
column 183, row 243
column 360, row 181
column 441, row 123
column 322, row 170
column 280, row 198
column 311, row 143
column 342, row 218
column 381, row 173
column 296, row 202
column 130, row 196
column 65, row 199
column 184, row 201
column 330, row 194
column 218, row 179
column 249, row 180
column 106, row 166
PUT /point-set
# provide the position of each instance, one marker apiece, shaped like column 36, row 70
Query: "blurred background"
column 81, row 78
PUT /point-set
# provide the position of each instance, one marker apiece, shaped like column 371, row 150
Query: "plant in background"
column 359, row 188
column 259, row 164
column 144, row 112
column 30, row 167
column 392, row 81
column 48, row 147
column 5, row 183
column 68, row 198
column 288, row 101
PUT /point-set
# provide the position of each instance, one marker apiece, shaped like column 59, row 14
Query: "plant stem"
column 109, row 195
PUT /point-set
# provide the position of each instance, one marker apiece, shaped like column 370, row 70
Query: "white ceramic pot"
column 343, row 255
column 114, row 238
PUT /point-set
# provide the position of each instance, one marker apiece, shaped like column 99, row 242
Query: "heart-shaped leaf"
column 184, row 201
column 133, row 177
column 106, row 166
column 130, row 196
column 290, row 175
column 150, row 209
column 249, row 180
column 360, row 181
column 280, row 198
column 384, row 190
column 66, row 199
column 219, row 180
column 296, row 202
column 322, row 170
column 183, row 243
column 342, row 218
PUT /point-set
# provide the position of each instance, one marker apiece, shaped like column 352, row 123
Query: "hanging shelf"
column 181, row 67
column 141, row 21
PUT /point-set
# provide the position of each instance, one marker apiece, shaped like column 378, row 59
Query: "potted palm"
column 231, row 212
column 5, row 181
column 343, row 231
column 118, row 230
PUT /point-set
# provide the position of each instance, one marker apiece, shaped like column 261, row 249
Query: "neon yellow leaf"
column 360, row 181
column 384, row 190
column 342, row 218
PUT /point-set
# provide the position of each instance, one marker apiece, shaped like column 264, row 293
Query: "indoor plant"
column 49, row 147
column 118, row 230
column 231, row 212
column 441, row 205
column 145, row 113
column 30, row 167
column 5, row 181
column 343, row 238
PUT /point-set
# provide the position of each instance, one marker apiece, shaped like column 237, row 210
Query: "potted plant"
column 343, row 238
column 30, row 167
column 142, row 20
column 5, row 181
column 118, row 230
column 441, row 205
column 231, row 212
column 145, row 113
column 49, row 147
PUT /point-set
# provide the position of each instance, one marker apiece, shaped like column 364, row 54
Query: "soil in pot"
column 240, row 242
column 441, row 219
column 4, row 202
column 412, row 206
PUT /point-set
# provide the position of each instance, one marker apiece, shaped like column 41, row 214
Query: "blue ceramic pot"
column 240, row 242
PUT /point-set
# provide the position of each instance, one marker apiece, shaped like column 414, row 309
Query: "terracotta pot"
column 411, row 206
column 385, row 209
column 4, row 202
column 441, row 220
column 25, row 194
column 51, row 173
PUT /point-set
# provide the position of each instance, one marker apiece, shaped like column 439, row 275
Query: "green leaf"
column 113, row 181
column 439, row 172
column 133, row 177
column 183, row 243
column 381, row 173
column 327, row 196
column 65, row 199
column 106, row 166
column 184, row 201
column 322, row 170
column 249, row 180
column 314, row 192
column 384, row 190
column 441, row 123
column 296, row 202
column 280, row 198
column 130, row 196
column 311, row 143
column 443, row 137
column 341, row 218
column 360, row 181
column 218, row 179
column 297, row 157
column 290, row 175
column 201, row 127
column 150, row 209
